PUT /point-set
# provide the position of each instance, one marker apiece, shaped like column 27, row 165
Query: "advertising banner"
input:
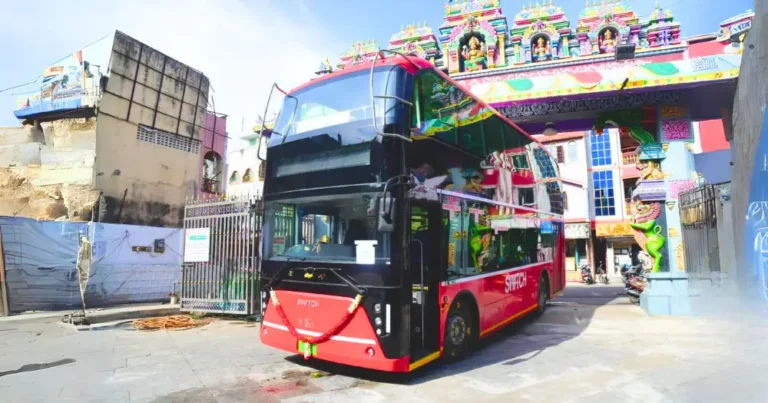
column 61, row 88
column 577, row 231
column 197, row 245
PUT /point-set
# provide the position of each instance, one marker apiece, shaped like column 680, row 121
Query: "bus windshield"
column 342, row 104
column 339, row 228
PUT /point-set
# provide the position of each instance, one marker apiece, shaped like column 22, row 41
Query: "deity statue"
column 649, row 170
column 607, row 43
column 474, row 55
column 541, row 50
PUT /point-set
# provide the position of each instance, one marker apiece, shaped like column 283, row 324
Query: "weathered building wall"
column 40, row 259
column 46, row 171
column 148, row 136
column 748, row 116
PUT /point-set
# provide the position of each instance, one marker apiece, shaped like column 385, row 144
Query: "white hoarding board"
column 197, row 244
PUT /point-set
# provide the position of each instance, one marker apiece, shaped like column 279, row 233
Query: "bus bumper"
column 355, row 345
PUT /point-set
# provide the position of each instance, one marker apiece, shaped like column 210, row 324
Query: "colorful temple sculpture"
column 473, row 36
column 733, row 31
column 359, row 52
column 624, row 84
column 418, row 40
column 540, row 34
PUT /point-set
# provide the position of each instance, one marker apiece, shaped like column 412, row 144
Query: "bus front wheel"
column 459, row 331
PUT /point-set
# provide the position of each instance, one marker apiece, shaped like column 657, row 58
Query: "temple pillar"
column 453, row 61
column 502, row 57
column 675, row 133
column 566, row 50
column 667, row 291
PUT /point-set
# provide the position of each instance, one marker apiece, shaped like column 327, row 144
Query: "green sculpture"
column 654, row 241
column 627, row 120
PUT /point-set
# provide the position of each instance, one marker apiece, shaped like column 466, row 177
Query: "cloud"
column 243, row 47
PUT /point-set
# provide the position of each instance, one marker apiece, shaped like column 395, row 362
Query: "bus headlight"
column 377, row 320
column 377, row 308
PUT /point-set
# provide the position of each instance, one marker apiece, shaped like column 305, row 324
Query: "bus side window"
column 481, row 242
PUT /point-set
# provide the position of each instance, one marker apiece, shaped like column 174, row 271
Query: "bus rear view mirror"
column 386, row 221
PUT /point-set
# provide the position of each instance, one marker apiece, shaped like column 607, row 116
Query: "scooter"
column 586, row 275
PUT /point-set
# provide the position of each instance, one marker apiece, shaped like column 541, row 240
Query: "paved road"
column 587, row 347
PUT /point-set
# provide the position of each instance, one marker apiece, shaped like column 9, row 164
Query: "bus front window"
column 325, row 228
column 341, row 106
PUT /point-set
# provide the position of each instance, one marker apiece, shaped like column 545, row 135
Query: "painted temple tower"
column 418, row 40
column 474, row 36
column 541, row 33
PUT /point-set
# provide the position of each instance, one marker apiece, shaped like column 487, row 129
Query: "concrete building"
column 570, row 151
column 245, row 171
column 128, row 144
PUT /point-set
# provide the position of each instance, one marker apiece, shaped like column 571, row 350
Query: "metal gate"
column 698, row 216
column 229, row 281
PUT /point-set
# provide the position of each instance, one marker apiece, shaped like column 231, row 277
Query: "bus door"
column 424, row 260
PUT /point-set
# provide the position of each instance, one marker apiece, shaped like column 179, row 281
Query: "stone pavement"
column 589, row 346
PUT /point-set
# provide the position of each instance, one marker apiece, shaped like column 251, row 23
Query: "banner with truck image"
column 60, row 88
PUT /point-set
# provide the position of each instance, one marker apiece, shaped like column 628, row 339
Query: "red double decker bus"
column 404, row 219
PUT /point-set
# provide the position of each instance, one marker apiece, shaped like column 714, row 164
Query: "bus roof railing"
column 277, row 118
column 374, row 96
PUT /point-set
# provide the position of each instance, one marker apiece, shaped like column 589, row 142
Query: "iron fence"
column 698, row 217
column 229, row 281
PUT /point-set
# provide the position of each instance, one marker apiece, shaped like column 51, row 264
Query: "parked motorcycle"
column 635, row 287
column 586, row 275
column 628, row 272
column 634, row 279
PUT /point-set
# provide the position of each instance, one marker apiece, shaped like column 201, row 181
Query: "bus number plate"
column 302, row 348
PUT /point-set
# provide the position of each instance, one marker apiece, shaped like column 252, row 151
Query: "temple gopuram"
column 626, row 92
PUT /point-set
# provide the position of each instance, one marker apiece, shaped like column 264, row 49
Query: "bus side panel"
column 522, row 295
column 519, row 286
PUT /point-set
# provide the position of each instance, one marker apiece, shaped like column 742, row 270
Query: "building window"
column 560, row 155
column 601, row 149
column 573, row 152
column 565, row 201
column 234, row 178
column 212, row 172
column 557, row 153
column 248, row 176
column 605, row 201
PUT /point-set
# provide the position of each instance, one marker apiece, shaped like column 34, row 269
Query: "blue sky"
column 245, row 45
